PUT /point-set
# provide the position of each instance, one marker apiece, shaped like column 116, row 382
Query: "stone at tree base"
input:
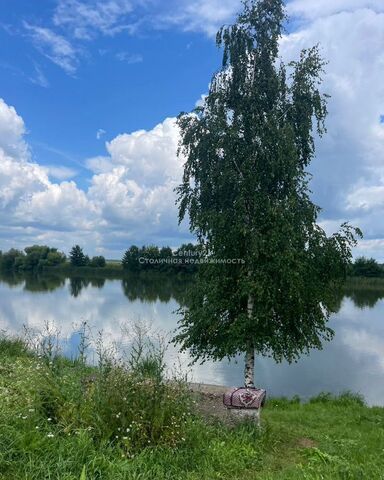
column 245, row 403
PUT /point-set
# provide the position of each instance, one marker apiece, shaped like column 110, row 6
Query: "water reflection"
column 156, row 287
column 145, row 287
column 353, row 360
column 364, row 298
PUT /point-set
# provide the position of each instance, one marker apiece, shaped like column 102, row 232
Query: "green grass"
column 56, row 423
column 365, row 283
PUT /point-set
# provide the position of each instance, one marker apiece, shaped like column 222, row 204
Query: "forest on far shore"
column 135, row 259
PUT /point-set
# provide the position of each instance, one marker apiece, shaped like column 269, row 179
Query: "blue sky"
column 119, row 83
column 89, row 90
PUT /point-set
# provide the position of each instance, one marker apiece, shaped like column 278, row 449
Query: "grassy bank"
column 365, row 283
column 62, row 419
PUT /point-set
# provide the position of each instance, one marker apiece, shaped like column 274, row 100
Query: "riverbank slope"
column 61, row 419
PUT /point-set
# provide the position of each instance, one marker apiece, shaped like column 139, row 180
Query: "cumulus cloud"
column 58, row 206
column 130, row 199
column 18, row 180
column 134, row 185
column 27, row 196
column 60, row 172
column 12, row 130
column 348, row 180
column 312, row 9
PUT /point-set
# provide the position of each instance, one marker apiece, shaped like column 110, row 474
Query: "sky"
column 89, row 92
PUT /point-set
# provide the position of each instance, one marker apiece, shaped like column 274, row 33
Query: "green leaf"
column 83, row 475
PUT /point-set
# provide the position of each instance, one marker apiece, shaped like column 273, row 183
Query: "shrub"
column 98, row 262
column 126, row 402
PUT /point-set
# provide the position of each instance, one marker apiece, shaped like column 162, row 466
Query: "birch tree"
column 246, row 194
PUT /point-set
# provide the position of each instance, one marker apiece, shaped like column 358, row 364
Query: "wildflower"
column 49, row 419
column 24, row 417
column 37, row 427
column 50, row 435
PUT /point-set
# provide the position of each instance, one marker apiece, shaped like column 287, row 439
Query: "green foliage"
column 33, row 259
column 12, row 347
column 127, row 403
column 98, row 262
column 366, row 267
column 12, row 260
column 154, row 259
column 55, row 258
column 246, row 192
column 77, row 257
column 130, row 259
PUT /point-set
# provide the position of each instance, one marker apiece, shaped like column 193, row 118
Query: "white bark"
column 249, row 371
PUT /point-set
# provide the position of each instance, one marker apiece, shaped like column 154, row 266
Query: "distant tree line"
column 152, row 258
column 37, row 257
column 138, row 259
column 32, row 259
column 366, row 267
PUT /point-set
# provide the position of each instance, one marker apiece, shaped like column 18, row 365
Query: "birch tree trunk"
column 249, row 371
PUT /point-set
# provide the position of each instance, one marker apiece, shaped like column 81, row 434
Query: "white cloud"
column 86, row 19
column 313, row 9
column 19, row 179
column 129, row 58
column 60, row 172
column 27, row 196
column 58, row 206
column 130, row 198
column 100, row 133
column 99, row 164
column 55, row 47
column 12, row 130
column 149, row 155
column 39, row 78
column 348, row 171
column 76, row 22
column 136, row 183
column 198, row 15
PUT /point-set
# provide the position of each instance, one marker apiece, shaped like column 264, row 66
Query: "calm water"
column 354, row 360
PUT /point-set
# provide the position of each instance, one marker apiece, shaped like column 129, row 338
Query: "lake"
column 354, row 360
